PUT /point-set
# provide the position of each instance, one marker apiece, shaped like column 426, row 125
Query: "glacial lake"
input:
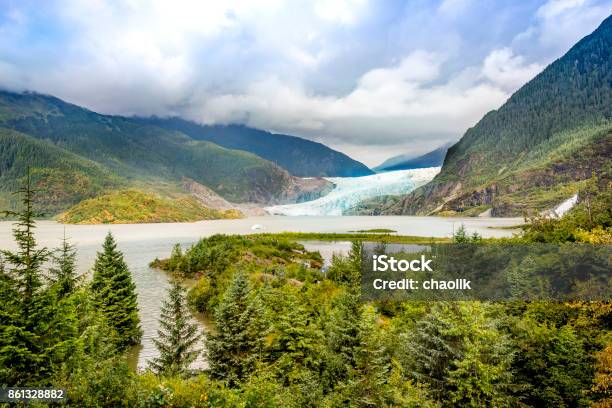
column 141, row 243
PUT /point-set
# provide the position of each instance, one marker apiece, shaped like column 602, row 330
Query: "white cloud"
column 559, row 24
column 554, row 8
column 453, row 7
column 508, row 71
column 339, row 11
column 387, row 107
column 350, row 73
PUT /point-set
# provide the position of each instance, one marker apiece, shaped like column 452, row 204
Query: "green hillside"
column 61, row 177
column 137, row 152
column 300, row 157
column 132, row 206
column 535, row 150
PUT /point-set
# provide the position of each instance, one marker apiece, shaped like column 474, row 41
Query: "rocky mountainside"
column 537, row 149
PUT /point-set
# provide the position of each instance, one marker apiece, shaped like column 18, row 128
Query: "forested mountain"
column 62, row 178
column 434, row 158
column 120, row 151
column 299, row 156
column 538, row 148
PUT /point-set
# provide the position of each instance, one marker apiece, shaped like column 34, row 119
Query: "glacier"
column 349, row 191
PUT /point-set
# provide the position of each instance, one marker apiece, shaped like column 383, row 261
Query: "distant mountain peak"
column 433, row 158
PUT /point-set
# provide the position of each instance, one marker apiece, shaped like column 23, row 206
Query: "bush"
column 200, row 294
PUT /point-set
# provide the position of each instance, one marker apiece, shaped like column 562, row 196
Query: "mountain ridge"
column 138, row 153
column 433, row 158
column 518, row 158
column 299, row 156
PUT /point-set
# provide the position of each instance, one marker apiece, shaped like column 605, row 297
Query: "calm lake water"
column 141, row 243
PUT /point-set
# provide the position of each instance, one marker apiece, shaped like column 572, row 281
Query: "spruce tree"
column 116, row 294
column 342, row 333
column 236, row 346
column 37, row 331
column 63, row 273
column 369, row 379
column 28, row 258
column 460, row 354
column 177, row 336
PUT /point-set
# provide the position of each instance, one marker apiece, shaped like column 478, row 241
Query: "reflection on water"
column 328, row 249
column 141, row 243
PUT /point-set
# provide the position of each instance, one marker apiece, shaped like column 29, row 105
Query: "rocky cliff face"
column 516, row 194
column 299, row 190
column 296, row 190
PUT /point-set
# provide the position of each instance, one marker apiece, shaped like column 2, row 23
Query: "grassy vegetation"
column 379, row 230
column 350, row 236
column 132, row 206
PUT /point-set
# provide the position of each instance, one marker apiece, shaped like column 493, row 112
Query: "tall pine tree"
column 236, row 346
column 342, row 335
column 28, row 259
column 37, row 331
column 177, row 336
column 63, row 273
column 116, row 293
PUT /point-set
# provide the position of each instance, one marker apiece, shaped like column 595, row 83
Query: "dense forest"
column 288, row 334
column 535, row 150
column 301, row 157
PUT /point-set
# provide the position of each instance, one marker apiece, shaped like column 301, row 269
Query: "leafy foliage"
column 132, row 206
column 63, row 273
column 234, row 349
column 589, row 221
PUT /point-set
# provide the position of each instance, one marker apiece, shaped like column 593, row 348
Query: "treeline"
column 287, row 334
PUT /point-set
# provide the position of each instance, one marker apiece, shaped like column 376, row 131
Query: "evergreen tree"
column 296, row 338
column 177, row 336
column 28, row 259
column 460, row 236
column 37, row 332
column 236, row 346
column 116, row 293
column 368, row 383
column 347, row 270
column 552, row 364
column 63, row 273
column 460, row 354
column 342, row 332
column 430, row 350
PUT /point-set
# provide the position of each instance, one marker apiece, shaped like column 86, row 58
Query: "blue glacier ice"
column 349, row 191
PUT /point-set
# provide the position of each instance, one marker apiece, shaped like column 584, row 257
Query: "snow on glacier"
column 349, row 191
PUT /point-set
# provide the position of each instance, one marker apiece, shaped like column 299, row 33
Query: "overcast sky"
column 370, row 78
